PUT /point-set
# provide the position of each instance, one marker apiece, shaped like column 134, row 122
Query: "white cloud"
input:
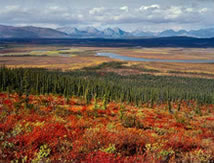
column 80, row 16
column 124, row 8
column 54, row 7
column 173, row 12
column 95, row 11
column 153, row 7
column 189, row 9
column 203, row 10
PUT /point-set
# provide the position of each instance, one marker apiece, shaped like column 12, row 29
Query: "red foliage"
column 49, row 134
column 76, row 132
column 101, row 157
column 9, row 123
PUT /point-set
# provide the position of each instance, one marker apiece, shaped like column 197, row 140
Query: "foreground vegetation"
column 48, row 128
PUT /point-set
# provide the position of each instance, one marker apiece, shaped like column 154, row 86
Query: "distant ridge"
column 119, row 33
column 181, row 42
column 92, row 32
column 30, row 32
column 201, row 33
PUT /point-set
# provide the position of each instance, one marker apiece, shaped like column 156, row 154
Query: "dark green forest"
column 88, row 84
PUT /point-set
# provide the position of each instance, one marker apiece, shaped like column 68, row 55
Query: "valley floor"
column 68, row 58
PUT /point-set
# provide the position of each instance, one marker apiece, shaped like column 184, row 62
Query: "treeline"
column 90, row 84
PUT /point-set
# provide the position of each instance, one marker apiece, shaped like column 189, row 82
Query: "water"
column 126, row 58
column 39, row 50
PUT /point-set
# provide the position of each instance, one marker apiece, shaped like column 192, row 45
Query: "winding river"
column 126, row 58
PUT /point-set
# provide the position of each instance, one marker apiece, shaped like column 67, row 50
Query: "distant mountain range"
column 92, row 32
column 202, row 33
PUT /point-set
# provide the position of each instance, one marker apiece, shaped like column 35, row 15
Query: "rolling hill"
column 30, row 32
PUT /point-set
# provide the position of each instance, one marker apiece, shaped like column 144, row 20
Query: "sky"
column 129, row 15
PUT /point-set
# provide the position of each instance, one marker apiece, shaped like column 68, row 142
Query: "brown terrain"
column 70, row 58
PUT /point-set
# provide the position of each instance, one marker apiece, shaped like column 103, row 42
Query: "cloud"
column 95, row 11
column 124, row 8
column 173, row 12
column 12, row 8
column 189, row 9
column 49, row 15
column 126, row 15
column 151, row 7
column 203, row 10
